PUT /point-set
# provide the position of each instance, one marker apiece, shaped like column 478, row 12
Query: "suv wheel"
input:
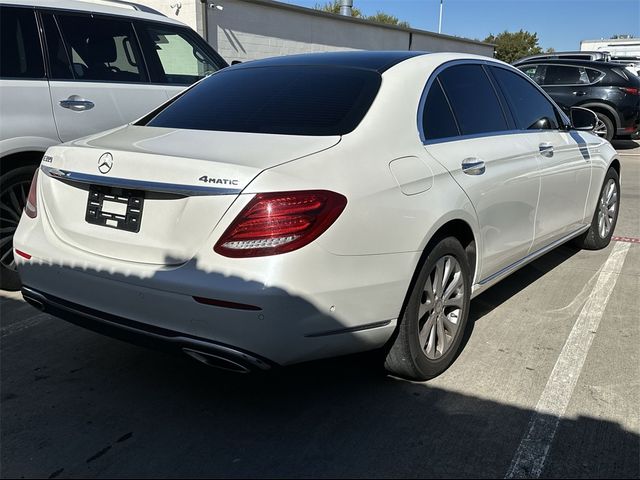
column 604, row 127
column 14, row 188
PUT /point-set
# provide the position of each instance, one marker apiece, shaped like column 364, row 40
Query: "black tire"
column 608, row 125
column 406, row 356
column 593, row 238
column 14, row 188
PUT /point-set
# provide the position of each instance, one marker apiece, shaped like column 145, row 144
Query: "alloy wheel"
column 440, row 307
column 600, row 129
column 12, row 201
column 607, row 208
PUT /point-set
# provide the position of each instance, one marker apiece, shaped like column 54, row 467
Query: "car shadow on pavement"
column 625, row 144
column 79, row 404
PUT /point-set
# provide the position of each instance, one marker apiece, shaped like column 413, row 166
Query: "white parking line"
column 533, row 450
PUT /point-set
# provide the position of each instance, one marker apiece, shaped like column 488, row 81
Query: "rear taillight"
column 630, row 90
column 31, row 207
column 274, row 223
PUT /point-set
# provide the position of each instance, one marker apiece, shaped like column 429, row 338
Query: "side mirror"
column 582, row 119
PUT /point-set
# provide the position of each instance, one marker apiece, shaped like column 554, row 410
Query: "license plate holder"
column 114, row 207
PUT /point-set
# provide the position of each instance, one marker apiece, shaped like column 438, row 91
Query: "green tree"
column 511, row 46
column 382, row 17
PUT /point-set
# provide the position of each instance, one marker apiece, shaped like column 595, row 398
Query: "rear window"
column 289, row 100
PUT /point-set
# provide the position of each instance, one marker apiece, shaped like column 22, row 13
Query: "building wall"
column 252, row 29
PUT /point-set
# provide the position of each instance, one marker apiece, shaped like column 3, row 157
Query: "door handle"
column 546, row 149
column 473, row 166
column 77, row 103
column 579, row 93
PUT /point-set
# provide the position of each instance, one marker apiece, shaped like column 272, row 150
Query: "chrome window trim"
column 488, row 63
column 160, row 187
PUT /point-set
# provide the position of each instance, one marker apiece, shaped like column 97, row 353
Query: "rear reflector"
column 225, row 304
column 31, row 207
column 274, row 223
column 22, row 254
column 630, row 90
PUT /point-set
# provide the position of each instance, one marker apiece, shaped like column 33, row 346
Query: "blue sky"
column 560, row 24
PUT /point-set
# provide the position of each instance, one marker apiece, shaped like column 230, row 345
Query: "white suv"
column 70, row 68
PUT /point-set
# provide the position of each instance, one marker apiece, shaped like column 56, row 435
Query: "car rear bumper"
column 145, row 334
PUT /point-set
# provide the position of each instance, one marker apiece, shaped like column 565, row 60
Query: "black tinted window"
column 174, row 56
column 103, row 49
column 437, row 120
column 59, row 63
column 294, row 100
column 473, row 99
column 565, row 75
column 20, row 53
column 529, row 107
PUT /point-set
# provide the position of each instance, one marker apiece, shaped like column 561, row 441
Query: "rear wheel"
column 14, row 188
column 604, row 127
column 435, row 317
column 605, row 217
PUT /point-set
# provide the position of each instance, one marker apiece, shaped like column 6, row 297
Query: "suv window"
column 59, row 64
column 437, row 119
column 173, row 55
column 529, row 107
column 473, row 99
column 102, row 48
column 565, row 75
column 20, row 53
column 289, row 100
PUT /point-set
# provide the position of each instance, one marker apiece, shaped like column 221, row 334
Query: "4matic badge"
column 218, row 181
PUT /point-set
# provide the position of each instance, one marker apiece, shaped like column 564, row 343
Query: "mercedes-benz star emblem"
column 105, row 163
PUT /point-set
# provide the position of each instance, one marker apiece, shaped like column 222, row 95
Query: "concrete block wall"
column 253, row 29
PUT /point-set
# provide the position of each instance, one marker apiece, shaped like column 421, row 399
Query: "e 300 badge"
column 218, row 181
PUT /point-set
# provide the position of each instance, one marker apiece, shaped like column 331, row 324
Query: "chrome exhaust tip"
column 217, row 361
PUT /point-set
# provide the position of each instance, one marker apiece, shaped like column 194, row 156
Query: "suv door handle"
column 546, row 149
column 579, row 93
column 473, row 166
column 77, row 103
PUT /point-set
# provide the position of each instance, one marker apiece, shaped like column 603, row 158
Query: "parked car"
column 69, row 69
column 261, row 218
column 608, row 89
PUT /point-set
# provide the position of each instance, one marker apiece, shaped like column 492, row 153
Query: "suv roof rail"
column 588, row 55
column 136, row 6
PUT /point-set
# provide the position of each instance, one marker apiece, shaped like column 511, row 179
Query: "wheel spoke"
column 456, row 301
column 431, row 341
column 425, row 331
column 440, row 345
column 10, row 211
column 455, row 284
column 437, row 279
column 5, row 255
column 14, row 200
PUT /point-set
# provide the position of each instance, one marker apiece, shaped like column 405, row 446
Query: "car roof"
column 371, row 60
column 109, row 7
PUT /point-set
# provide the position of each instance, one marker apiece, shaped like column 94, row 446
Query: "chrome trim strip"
column 179, row 189
column 532, row 256
column 359, row 328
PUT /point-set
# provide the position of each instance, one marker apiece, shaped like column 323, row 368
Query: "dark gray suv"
column 608, row 89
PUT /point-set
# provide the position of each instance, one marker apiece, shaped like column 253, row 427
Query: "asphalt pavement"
column 548, row 385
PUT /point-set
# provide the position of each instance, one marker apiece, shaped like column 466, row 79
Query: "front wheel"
column 605, row 217
column 604, row 127
column 434, row 319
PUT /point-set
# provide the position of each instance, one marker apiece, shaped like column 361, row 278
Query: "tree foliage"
column 511, row 46
column 379, row 17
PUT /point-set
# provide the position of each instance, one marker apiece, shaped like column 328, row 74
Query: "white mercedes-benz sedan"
column 310, row 206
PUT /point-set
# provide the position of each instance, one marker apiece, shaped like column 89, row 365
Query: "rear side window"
column 473, row 99
column 102, row 48
column 437, row 119
column 565, row 75
column 173, row 55
column 290, row 100
column 59, row 64
column 20, row 53
column 529, row 107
